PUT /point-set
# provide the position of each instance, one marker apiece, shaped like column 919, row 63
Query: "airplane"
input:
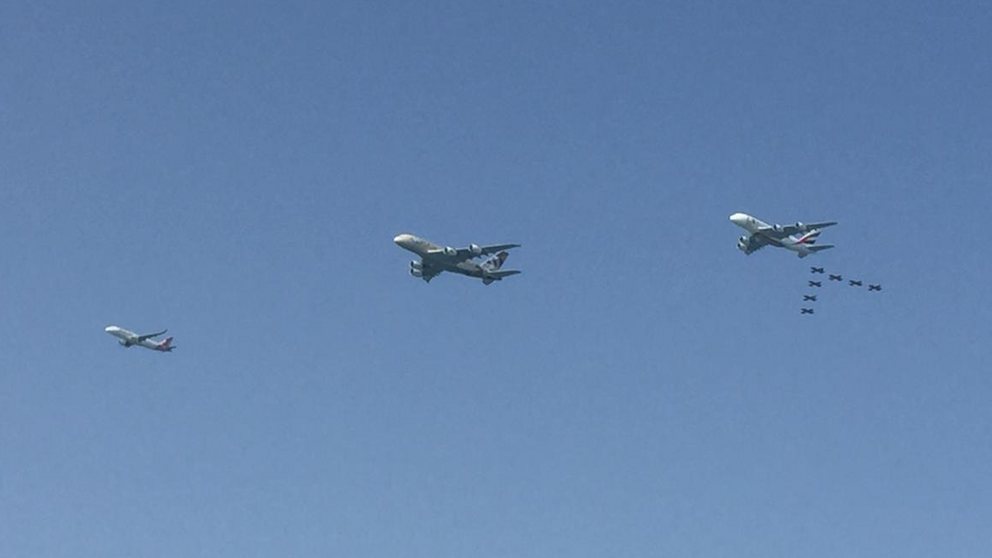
column 805, row 310
column 874, row 287
column 815, row 284
column 836, row 278
column 816, row 270
column 809, row 298
column 854, row 283
column 799, row 237
column 128, row 338
column 434, row 259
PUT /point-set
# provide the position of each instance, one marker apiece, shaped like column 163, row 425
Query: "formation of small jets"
column 435, row 259
column 835, row 278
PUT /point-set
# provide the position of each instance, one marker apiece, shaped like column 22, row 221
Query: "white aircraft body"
column 434, row 259
column 799, row 237
column 128, row 338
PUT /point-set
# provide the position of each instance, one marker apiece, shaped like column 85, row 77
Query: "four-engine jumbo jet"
column 798, row 237
column 128, row 338
column 434, row 259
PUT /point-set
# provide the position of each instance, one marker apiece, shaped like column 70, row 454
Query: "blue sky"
column 236, row 172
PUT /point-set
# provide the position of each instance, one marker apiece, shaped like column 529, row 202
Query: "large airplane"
column 798, row 237
column 128, row 338
column 434, row 259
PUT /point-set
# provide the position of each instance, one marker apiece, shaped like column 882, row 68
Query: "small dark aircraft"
column 874, row 287
column 809, row 298
column 805, row 310
column 854, row 283
column 836, row 278
column 815, row 284
column 816, row 270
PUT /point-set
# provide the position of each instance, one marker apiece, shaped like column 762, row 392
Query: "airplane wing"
column 147, row 336
column 755, row 242
column 474, row 251
column 782, row 231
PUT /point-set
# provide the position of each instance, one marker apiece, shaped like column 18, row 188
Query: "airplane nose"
column 401, row 238
column 737, row 218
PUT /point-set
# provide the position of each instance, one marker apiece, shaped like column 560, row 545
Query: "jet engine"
column 416, row 265
column 777, row 228
column 450, row 252
column 743, row 243
column 801, row 226
column 416, row 272
column 124, row 343
column 475, row 249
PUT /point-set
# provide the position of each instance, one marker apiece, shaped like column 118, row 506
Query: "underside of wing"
column 424, row 270
column 753, row 243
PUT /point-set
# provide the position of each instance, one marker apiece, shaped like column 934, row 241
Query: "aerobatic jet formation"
column 809, row 298
column 435, row 259
column 128, row 338
column 836, row 278
column 805, row 310
column 854, row 283
column 815, row 284
column 798, row 237
column 874, row 287
column 816, row 270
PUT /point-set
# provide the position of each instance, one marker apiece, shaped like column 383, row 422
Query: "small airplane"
column 805, row 310
column 128, row 338
column 809, row 298
column 815, row 284
column 799, row 237
column 816, row 270
column 836, row 278
column 854, row 283
column 874, row 287
column 434, row 259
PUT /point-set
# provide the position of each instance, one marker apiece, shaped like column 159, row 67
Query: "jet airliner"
column 798, row 237
column 435, row 259
column 128, row 338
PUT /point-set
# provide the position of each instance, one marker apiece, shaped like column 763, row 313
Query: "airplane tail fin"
column 495, row 262
column 166, row 345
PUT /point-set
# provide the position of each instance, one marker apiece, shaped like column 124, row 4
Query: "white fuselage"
column 757, row 227
column 129, row 339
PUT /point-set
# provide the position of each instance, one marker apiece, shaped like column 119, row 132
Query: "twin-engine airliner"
column 435, row 259
column 799, row 237
column 128, row 338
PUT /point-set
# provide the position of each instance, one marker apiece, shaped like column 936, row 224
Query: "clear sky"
column 236, row 171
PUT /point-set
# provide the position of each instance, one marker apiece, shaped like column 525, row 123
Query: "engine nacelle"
column 450, row 252
column 475, row 249
column 743, row 243
column 801, row 226
column 416, row 272
column 124, row 343
column 777, row 228
column 416, row 265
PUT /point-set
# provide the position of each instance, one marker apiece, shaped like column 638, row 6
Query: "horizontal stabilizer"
column 501, row 273
column 820, row 247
